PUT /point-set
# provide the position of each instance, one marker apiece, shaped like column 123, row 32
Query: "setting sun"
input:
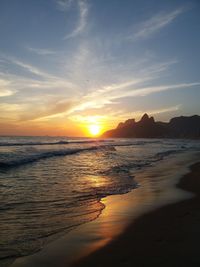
column 94, row 129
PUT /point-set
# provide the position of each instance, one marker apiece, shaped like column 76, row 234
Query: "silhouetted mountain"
column 180, row 127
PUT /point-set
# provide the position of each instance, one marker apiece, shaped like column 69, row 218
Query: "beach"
column 140, row 228
column 168, row 236
column 99, row 133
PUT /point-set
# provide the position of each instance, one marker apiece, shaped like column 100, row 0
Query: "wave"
column 135, row 143
column 42, row 155
column 92, row 141
column 61, row 142
column 125, row 169
column 162, row 155
column 49, row 154
column 105, row 144
column 34, row 143
column 7, row 164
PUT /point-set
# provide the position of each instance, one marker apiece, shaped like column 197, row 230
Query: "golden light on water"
column 94, row 129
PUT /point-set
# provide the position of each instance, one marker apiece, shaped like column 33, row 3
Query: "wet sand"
column 167, row 236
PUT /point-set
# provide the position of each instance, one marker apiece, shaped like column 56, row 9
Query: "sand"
column 167, row 236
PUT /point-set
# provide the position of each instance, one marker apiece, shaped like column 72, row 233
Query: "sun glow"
column 94, row 129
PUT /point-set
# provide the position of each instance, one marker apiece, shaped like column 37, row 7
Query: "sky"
column 68, row 64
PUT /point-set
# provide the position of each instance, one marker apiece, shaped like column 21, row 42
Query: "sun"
column 94, row 129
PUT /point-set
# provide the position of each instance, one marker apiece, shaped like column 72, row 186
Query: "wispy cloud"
column 48, row 110
column 72, row 99
column 32, row 69
column 155, row 24
column 64, row 5
column 5, row 88
column 155, row 89
column 102, row 100
column 48, row 80
column 165, row 110
column 146, row 74
column 9, row 112
column 41, row 51
column 82, row 21
column 99, row 97
column 53, row 95
column 5, row 92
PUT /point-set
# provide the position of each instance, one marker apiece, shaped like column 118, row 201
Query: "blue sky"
column 65, row 64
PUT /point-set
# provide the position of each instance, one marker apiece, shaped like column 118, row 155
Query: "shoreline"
column 120, row 211
column 167, row 236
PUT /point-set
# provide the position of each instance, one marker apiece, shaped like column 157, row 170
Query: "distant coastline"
column 147, row 127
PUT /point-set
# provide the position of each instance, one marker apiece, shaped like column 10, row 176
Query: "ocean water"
column 49, row 185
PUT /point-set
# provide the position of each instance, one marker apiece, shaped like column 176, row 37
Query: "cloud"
column 146, row 74
column 99, row 81
column 49, row 80
column 155, row 24
column 164, row 110
column 48, row 110
column 10, row 111
column 34, row 104
column 5, row 89
column 41, row 99
column 53, row 96
column 5, row 92
column 155, row 89
column 101, row 100
column 82, row 22
column 41, row 51
column 31, row 68
column 5, row 107
column 99, row 97
column 64, row 5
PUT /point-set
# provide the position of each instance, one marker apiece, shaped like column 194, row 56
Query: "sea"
column 50, row 185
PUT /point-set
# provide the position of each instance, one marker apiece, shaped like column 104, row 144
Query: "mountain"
column 179, row 127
